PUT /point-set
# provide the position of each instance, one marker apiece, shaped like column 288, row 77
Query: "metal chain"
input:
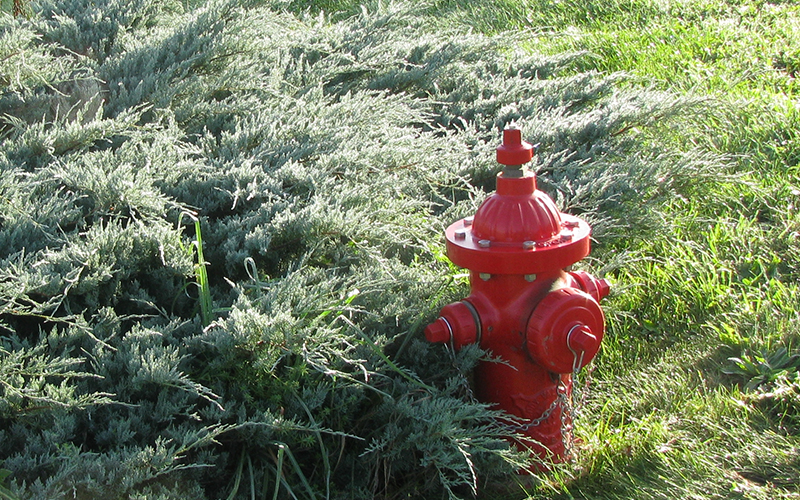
column 568, row 413
column 567, row 417
column 572, row 409
column 537, row 421
column 584, row 390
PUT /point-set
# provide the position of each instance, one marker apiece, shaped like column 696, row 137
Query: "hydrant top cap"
column 518, row 229
column 514, row 151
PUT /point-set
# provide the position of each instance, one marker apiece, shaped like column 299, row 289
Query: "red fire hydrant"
column 542, row 322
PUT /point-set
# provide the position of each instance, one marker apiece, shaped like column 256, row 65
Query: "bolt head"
column 604, row 287
column 438, row 332
column 581, row 339
column 514, row 151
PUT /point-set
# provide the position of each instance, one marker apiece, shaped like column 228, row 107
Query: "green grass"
column 696, row 393
column 195, row 252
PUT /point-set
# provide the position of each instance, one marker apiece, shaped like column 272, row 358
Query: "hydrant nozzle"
column 439, row 332
column 458, row 323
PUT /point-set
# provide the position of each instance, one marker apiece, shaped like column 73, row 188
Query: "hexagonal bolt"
column 528, row 245
column 485, row 276
column 597, row 288
column 581, row 339
column 468, row 221
column 603, row 288
column 461, row 234
column 439, row 331
column 484, row 243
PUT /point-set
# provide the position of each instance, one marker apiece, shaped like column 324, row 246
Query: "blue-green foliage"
column 323, row 161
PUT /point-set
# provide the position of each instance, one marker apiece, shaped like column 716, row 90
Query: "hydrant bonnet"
column 518, row 229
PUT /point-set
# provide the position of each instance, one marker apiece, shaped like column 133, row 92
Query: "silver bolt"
column 461, row 234
column 485, row 276
column 566, row 235
column 528, row 245
column 484, row 243
column 468, row 221
column 530, row 278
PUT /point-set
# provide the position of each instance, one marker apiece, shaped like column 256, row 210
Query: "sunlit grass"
column 665, row 416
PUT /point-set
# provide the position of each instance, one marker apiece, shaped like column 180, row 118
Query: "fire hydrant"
column 540, row 322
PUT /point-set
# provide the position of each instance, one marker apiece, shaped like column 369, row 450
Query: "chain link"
column 583, row 392
column 573, row 408
column 537, row 421
column 568, row 414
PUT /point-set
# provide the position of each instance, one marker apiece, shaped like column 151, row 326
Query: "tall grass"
column 195, row 252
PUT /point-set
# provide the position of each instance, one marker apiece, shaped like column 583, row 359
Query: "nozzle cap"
column 438, row 332
column 514, row 151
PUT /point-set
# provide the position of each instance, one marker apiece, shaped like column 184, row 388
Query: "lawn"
column 221, row 236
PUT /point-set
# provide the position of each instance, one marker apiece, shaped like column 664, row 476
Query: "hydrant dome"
column 514, row 215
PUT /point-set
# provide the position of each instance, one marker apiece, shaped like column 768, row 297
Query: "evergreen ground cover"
column 220, row 239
